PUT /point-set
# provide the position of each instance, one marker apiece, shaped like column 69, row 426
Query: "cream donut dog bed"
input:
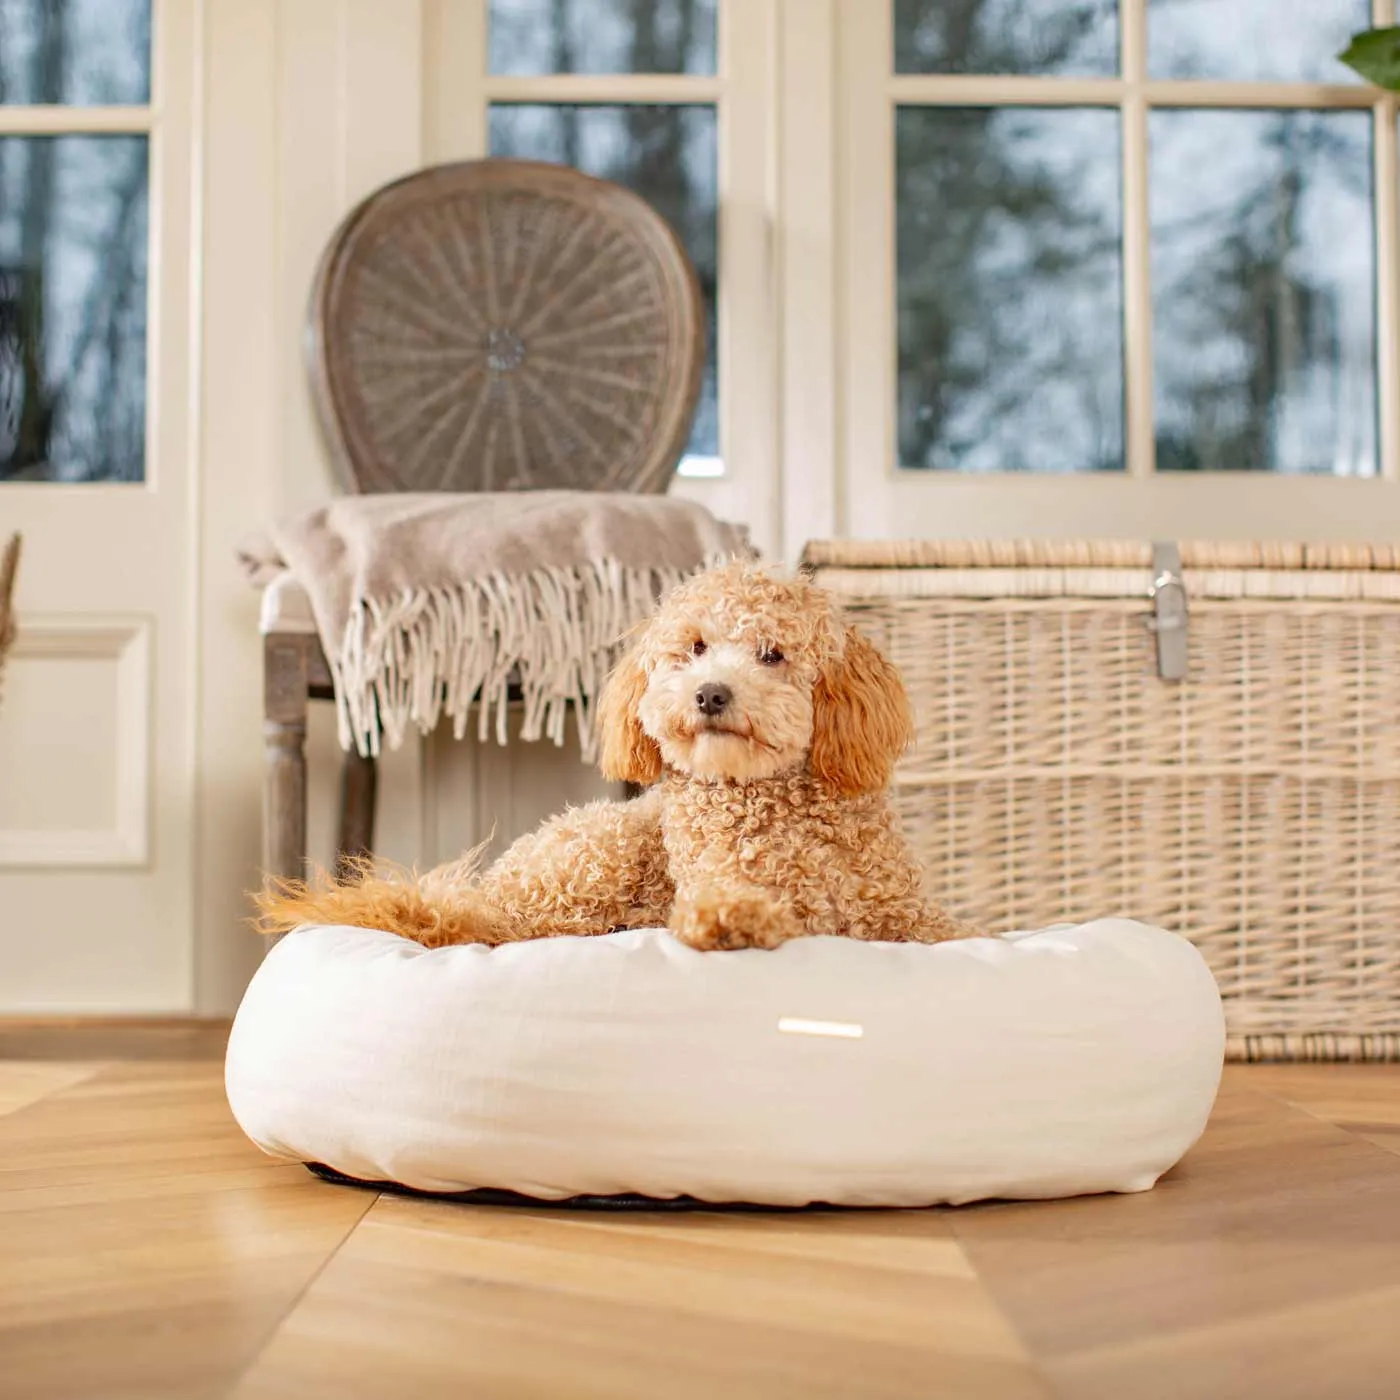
column 1073, row 1060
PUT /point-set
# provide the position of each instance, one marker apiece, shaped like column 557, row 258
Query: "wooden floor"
column 147, row 1250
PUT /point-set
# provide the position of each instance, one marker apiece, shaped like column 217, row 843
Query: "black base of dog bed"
column 487, row 1196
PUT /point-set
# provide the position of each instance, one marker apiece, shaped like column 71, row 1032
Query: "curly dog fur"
column 766, row 730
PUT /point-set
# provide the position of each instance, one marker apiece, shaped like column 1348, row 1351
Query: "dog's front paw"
column 716, row 919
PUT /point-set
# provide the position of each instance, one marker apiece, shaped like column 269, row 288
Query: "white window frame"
column 164, row 120
column 457, row 96
column 879, row 498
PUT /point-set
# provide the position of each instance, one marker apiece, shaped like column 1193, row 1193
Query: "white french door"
column 98, row 470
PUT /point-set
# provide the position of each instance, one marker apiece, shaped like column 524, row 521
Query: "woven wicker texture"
column 1254, row 807
column 1102, row 554
column 504, row 325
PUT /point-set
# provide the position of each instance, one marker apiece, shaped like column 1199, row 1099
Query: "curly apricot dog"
column 767, row 731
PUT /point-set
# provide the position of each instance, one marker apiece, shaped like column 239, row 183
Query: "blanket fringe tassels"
column 431, row 654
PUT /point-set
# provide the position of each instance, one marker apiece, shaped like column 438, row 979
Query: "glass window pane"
column 73, row 308
column 1253, row 40
column 1009, row 289
column 1263, row 291
column 1049, row 37
column 666, row 154
column 602, row 36
column 82, row 53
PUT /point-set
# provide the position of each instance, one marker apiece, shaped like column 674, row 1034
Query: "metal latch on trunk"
column 1169, row 618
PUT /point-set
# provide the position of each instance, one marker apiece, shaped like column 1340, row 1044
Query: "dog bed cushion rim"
column 1054, row 1062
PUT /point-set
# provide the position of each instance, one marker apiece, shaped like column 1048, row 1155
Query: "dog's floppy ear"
column 861, row 722
column 627, row 754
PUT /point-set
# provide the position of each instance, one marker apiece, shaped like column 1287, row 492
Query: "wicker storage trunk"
column 1252, row 805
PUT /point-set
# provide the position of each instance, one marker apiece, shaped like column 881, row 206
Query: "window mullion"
column 607, row 88
column 1387, row 172
column 960, row 90
column 50, row 120
column 1137, row 245
column 1387, row 203
column 1216, row 92
column 996, row 90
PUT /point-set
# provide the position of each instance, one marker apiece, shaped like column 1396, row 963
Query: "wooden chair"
column 493, row 325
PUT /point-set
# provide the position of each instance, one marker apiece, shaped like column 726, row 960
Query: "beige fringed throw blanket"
column 424, row 601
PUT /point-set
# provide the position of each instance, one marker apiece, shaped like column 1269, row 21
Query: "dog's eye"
column 771, row 657
column 697, row 647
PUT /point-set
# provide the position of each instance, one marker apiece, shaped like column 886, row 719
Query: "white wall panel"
column 75, row 746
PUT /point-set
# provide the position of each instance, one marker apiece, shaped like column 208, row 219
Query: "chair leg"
column 359, row 786
column 285, row 696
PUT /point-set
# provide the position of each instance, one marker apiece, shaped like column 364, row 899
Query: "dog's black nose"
column 711, row 699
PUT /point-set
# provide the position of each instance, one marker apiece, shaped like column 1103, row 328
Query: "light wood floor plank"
column 940, row 1305
column 1363, row 1099
column 146, row 1249
column 1341, row 1349
column 26, row 1082
column 547, row 1308
column 1275, row 1213
column 509, row 1343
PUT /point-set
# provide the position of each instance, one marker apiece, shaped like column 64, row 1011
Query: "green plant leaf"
column 1375, row 54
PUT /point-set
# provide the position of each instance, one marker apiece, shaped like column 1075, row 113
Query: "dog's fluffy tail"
column 442, row 907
